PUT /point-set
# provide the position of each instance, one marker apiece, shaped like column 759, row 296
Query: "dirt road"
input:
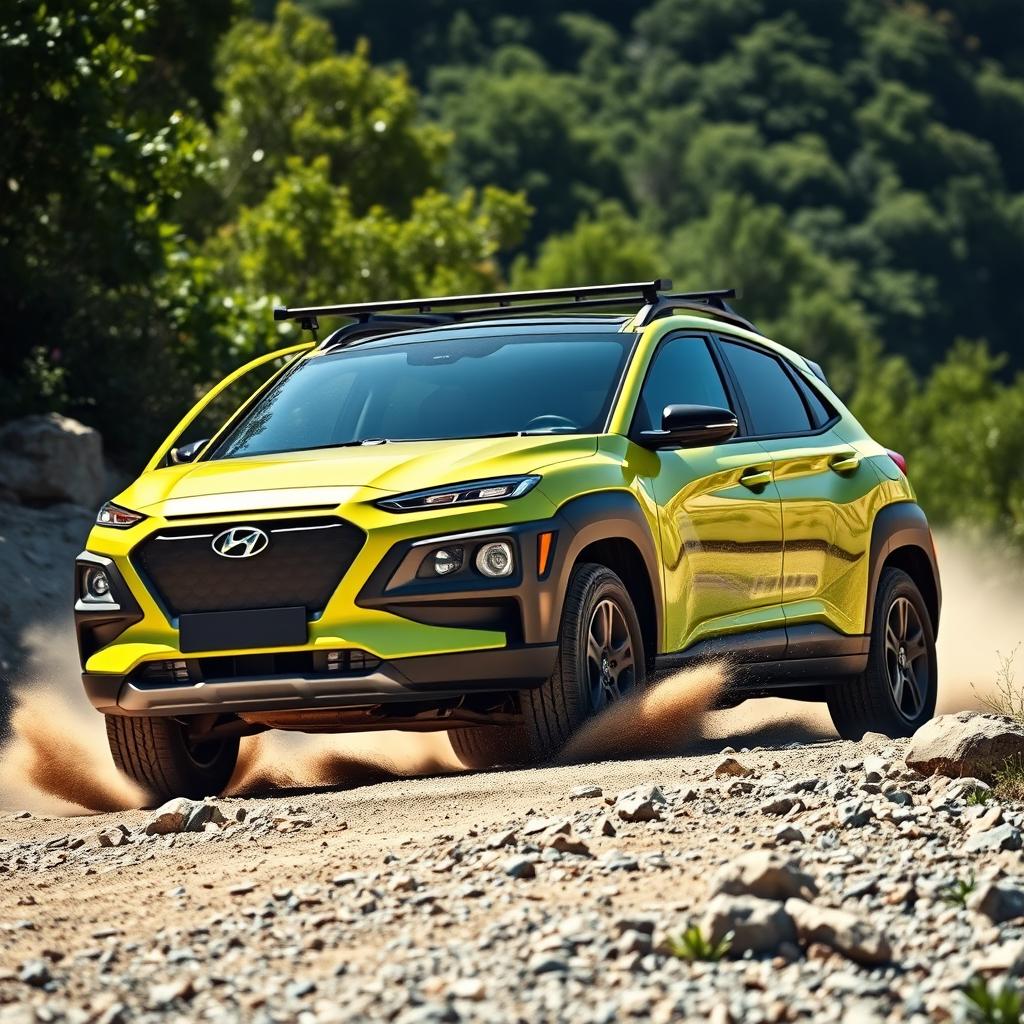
column 535, row 895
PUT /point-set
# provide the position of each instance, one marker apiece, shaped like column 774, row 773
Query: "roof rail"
column 651, row 297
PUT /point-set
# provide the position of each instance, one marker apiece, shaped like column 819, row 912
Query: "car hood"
column 332, row 476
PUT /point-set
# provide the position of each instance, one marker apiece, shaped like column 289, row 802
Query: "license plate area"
column 244, row 630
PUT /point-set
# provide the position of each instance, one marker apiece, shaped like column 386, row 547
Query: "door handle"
column 845, row 464
column 755, row 479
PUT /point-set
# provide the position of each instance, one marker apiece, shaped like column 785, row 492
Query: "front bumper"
column 427, row 639
column 429, row 680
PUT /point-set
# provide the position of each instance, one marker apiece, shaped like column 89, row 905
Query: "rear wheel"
column 600, row 660
column 166, row 759
column 896, row 694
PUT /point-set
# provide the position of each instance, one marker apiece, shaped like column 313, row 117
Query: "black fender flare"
column 898, row 528
column 604, row 516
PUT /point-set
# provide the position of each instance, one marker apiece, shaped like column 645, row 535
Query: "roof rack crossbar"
column 648, row 291
column 653, row 298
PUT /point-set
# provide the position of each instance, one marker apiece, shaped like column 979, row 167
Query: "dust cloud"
column 57, row 760
column 982, row 619
column 661, row 719
column 282, row 760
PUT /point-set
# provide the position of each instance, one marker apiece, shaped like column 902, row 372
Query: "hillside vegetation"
column 855, row 167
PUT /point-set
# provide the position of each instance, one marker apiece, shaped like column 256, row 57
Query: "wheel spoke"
column 623, row 663
column 897, row 689
column 914, row 689
column 892, row 642
column 594, row 649
column 915, row 646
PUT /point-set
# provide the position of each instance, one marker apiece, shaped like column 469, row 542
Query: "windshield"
column 442, row 387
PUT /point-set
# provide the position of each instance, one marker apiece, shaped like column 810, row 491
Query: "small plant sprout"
column 957, row 892
column 692, row 944
column 978, row 797
column 993, row 1006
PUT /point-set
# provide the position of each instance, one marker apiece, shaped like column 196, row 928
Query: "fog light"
column 97, row 583
column 447, row 560
column 495, row 559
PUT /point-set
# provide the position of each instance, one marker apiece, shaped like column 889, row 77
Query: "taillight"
column 900, row 461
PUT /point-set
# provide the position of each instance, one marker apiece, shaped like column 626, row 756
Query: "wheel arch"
column 610, row 529
column 902, row 539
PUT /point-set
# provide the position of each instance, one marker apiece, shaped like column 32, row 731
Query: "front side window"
column 774, row 404
column 682, row 373
column 444, row 386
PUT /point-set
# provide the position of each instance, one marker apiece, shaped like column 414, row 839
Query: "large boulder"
column 969, row 743
column 49, row 459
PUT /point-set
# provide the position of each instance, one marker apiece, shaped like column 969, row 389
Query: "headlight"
column 474, row 492
column 117, row 517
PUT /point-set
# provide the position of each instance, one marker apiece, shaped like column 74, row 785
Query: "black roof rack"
column 707, row 302
column 652, row 297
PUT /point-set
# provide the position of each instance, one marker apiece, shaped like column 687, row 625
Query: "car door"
column 825, row 486
column 720, row 520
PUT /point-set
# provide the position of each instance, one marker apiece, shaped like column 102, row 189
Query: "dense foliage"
column 856, row 167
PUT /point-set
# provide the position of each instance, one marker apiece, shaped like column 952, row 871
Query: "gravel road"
column 542, row 895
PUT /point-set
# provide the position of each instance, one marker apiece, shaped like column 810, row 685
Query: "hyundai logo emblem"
column 240, row 542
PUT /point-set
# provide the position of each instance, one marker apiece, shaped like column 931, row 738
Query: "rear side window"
column 772, row 399
column 820, row 412
column 683, row 372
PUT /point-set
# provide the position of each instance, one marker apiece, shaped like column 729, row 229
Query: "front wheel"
column 167, row 760
column 896, row 694
column 601, row 659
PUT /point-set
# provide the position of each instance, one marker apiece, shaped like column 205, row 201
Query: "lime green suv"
column 495, row 515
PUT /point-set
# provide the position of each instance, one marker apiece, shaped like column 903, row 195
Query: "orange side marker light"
column 543, row 552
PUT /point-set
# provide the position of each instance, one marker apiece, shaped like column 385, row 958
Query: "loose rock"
column 758, row 925
column 997, row 902
column 764, row 874
column 850, row 935
column 967, row 743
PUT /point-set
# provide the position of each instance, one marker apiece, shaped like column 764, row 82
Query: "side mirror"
column 691, row 426
column 187, row 452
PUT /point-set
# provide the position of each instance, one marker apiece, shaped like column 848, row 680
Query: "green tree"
column 962, row 430
column 306, row 242
column 286, row 92
column 103, row 141
column 608, row 245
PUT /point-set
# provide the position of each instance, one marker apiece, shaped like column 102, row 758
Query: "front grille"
column 302, row 564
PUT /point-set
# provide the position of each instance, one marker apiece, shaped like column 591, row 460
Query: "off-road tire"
column 155, row 754
column 554, row 711
column 866, row 703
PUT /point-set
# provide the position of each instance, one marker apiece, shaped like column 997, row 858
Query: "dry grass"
column 1009, row 780
column 1006, row 697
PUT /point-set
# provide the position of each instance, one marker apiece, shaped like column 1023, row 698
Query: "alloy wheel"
column 906, row 659
column 611, row 668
